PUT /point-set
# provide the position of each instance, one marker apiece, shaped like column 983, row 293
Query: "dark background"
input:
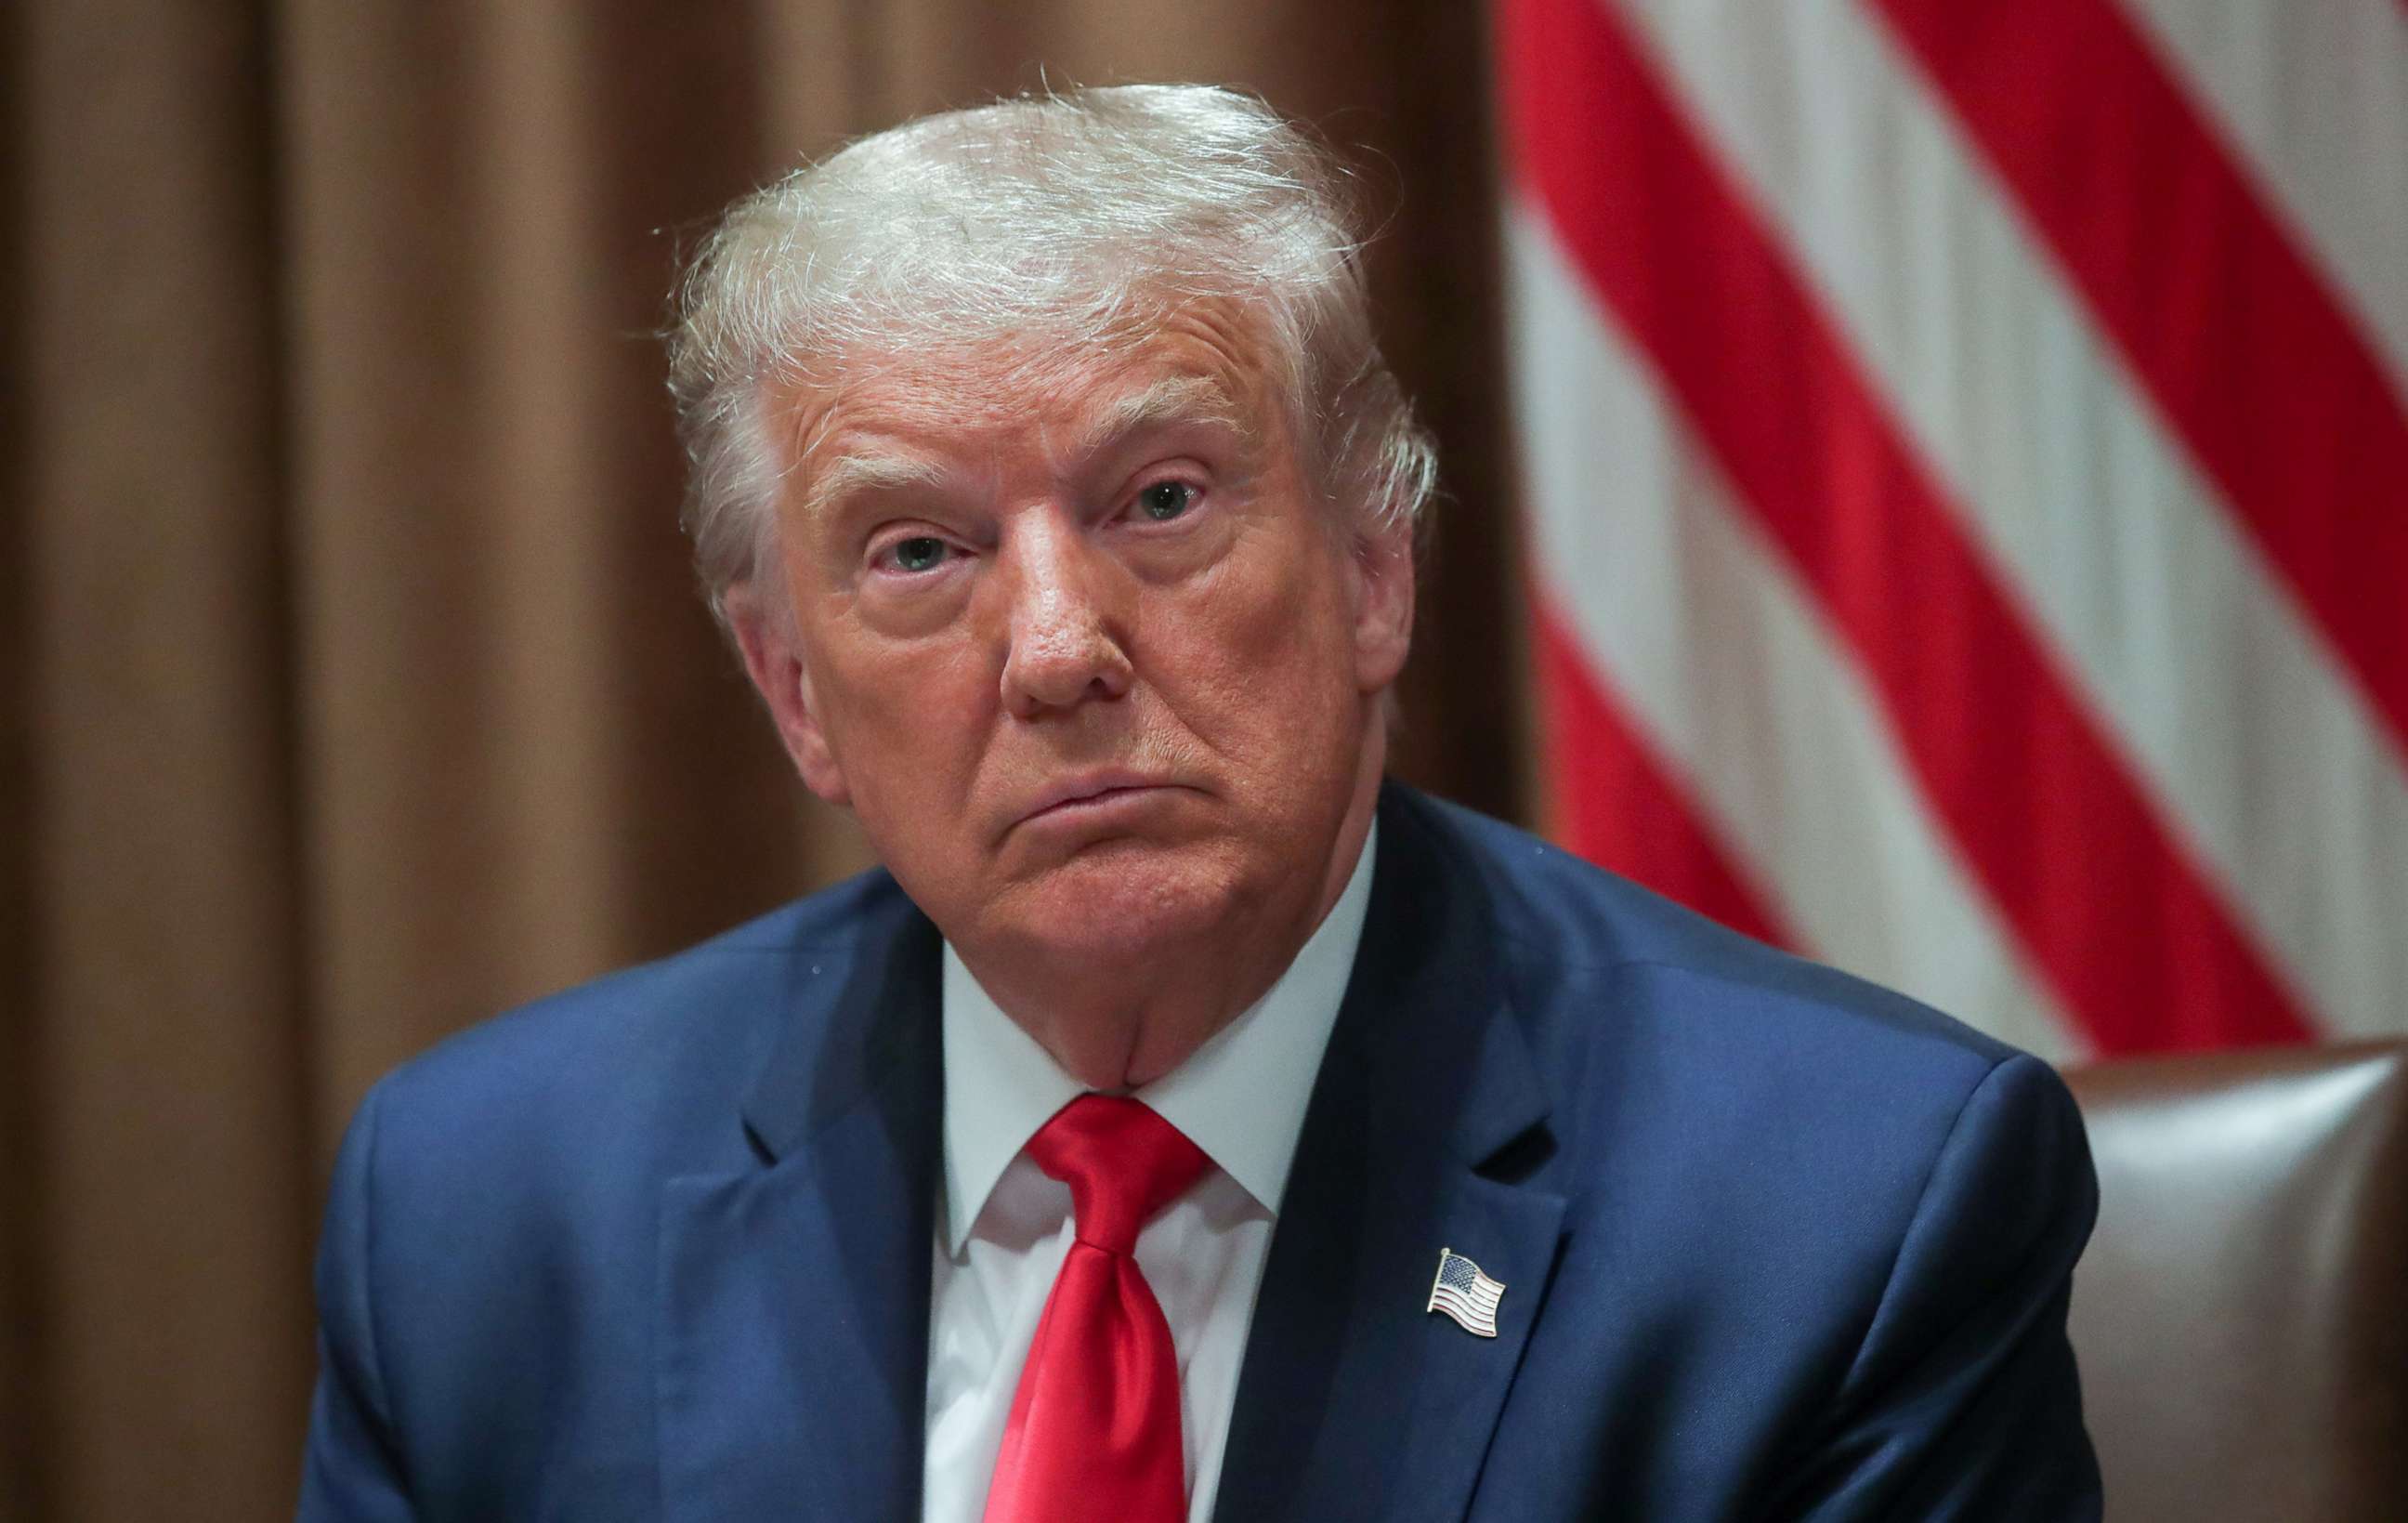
column 355, row 685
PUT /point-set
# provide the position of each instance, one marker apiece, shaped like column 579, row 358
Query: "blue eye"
column 920, row 553
column 1165, row 500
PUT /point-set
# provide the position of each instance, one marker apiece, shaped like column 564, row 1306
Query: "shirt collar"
column 1241, row 1096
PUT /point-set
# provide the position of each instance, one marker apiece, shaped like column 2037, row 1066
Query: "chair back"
column 2242, row 1314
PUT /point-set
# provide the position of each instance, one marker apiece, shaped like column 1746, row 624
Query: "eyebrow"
column 846, row 475
column 1173, row 399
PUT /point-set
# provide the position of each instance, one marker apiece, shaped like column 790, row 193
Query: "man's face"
column 1080, row 645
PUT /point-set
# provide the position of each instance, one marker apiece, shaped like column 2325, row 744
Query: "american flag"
column 1966, row 446
column 1465, row 1294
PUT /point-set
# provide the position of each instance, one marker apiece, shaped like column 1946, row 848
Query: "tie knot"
column 1122, row 1163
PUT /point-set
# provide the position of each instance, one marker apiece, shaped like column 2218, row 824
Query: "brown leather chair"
column 2242, row 1314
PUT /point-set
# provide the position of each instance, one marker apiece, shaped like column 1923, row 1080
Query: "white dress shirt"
column 1003, row 1227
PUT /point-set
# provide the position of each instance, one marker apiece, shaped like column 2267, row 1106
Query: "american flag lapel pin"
column 1465, row 1294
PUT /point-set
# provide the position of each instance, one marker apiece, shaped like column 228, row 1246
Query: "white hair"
column 1041, row 225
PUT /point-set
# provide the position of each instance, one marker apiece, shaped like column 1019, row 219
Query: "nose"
column 1062, row 651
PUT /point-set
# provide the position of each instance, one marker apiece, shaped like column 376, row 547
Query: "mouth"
column 1094, row 795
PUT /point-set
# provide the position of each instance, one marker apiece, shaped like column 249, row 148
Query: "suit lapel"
column 794, row 1307
column 1355, row 1401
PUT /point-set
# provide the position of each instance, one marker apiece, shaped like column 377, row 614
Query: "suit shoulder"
column 1595, row 949
column 698, row 1018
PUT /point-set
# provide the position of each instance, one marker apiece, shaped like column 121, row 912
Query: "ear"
column 1383, row 573
column 766, row 635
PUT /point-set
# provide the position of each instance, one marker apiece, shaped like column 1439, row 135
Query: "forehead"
column 1200, row 364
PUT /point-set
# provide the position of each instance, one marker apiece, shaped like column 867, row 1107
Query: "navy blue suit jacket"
column 1776, row 1244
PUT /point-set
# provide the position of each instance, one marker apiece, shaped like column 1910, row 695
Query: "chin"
column 1117, row 899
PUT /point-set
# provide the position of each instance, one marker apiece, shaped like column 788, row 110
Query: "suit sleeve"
column 351, row 1472
column 1962, row 1400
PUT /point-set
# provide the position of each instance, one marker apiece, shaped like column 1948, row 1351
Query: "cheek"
column 904, row 721
column 1261, row 646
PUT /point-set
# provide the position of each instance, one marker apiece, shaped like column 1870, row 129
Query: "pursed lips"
column 1090, row 788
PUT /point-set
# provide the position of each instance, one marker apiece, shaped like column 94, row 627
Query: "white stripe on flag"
column 2267, row 760
column 2314, row 98
column 1732, row 675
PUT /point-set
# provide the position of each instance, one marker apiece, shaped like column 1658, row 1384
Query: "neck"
column 1119, row 1022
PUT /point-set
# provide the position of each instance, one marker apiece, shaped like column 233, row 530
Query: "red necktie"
column 1094, row 1433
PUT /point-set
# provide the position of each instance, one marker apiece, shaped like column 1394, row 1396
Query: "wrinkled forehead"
column 1065, row 395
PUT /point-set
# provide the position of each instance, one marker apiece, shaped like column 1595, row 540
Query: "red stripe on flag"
column 2139, row 946
column 2248, row 354
column 1620, row 807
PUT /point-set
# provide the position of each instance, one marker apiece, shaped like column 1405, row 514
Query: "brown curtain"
column 355, row 685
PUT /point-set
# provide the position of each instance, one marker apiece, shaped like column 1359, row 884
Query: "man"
column 1186, row 1122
